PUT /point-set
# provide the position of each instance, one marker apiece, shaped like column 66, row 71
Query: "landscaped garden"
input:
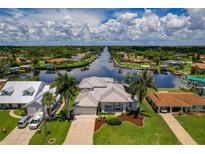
column 154, row 131
column 7, row 124
column 20, row 112
column 194, row 125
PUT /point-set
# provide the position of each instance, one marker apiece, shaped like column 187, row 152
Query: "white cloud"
column 197, row 18
column 65, row 24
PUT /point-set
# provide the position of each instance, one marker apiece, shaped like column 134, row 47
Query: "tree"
column 46, row 101
column 66, row 87
column 138, row 86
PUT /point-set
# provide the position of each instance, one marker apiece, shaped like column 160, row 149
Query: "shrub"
column 39, row 131
column 4, row 130
column 180, row 113
column 113, row 121
column 99, row 117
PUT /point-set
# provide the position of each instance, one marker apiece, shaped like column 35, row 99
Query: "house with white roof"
column 28, row 94
column 103, row 95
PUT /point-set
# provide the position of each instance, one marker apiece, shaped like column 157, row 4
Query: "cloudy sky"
column 102, row 26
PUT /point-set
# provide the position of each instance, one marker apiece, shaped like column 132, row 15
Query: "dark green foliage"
column 113, row 121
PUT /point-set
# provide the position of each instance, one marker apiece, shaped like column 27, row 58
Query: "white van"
column 36, row 121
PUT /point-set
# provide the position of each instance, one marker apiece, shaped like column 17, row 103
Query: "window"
column 108, row 107
column 29, row 91
column 7, row 91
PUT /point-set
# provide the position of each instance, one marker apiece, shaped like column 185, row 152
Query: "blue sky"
column 102, row 26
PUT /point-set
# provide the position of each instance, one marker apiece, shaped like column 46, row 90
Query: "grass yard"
column 58, row 130
column 7, row 122
column 155, row 131
column 194, row 125
column 20, row 112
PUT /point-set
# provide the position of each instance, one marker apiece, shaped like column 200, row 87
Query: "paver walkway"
column 81, row 130
column 178, row 130
column 18, row 137
column 11, row 113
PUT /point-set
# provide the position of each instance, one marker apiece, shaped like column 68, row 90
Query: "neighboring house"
column 173, row 62
column 14, row 69
column 103, row 95
column 176, row 101
column 20, row 94
column 200, row 66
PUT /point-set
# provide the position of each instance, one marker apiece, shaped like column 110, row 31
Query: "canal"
column 104, row 67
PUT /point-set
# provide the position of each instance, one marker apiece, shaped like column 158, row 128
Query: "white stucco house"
column 24, row 94
column 103, row 95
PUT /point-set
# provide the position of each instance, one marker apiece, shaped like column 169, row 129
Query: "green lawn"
column 195, row 126
column 155, row 131
column 58, row 130
column 20, row 112
column 74, row 64
column 7, row 122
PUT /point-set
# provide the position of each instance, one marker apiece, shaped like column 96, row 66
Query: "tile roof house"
column 17, row 94
column 199, row 65
column 176, row 101
column 102, row 94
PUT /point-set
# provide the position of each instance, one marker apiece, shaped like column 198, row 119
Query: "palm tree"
column 138, row 86
column 45, row 102
column 66, row 87
column 48, row 100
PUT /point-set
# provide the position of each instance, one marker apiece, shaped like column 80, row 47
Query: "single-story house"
column 173, row 62
column 58, row 60
column 24, row 94
column 14, row 69
column 176, row 101
column 199, row 65
column 103, row 95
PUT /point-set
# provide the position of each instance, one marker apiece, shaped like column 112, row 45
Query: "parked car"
column 36, row 121
column 23, row 122
column 163, row 110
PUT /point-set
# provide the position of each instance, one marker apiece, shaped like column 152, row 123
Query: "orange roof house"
column 58, row 60
column 23, row 60
column 199, row 65
column 188, row 100
column 202, row 57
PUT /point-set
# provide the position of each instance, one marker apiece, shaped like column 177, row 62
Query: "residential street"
column 18, row 137
column 178, row 130
column 81, row 130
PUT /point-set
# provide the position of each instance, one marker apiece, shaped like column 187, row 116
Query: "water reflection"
column 104, row 67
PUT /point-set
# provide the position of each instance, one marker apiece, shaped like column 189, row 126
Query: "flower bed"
column 131, row 117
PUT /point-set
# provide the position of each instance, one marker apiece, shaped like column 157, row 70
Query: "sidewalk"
column 11, row 113
column 178, row 130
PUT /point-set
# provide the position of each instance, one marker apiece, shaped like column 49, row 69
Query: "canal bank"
column 103, row 66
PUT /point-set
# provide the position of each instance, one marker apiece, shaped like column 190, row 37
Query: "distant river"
column 104, row 67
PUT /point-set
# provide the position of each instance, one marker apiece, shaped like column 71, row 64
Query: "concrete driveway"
column 178, row 130
column 81, row 130
column 18, row 137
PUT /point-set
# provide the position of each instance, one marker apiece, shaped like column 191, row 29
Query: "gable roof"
column 114, row 95
column 87, row 100
column 184, row 99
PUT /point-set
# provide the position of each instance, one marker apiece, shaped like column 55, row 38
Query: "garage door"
column 85, row 110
